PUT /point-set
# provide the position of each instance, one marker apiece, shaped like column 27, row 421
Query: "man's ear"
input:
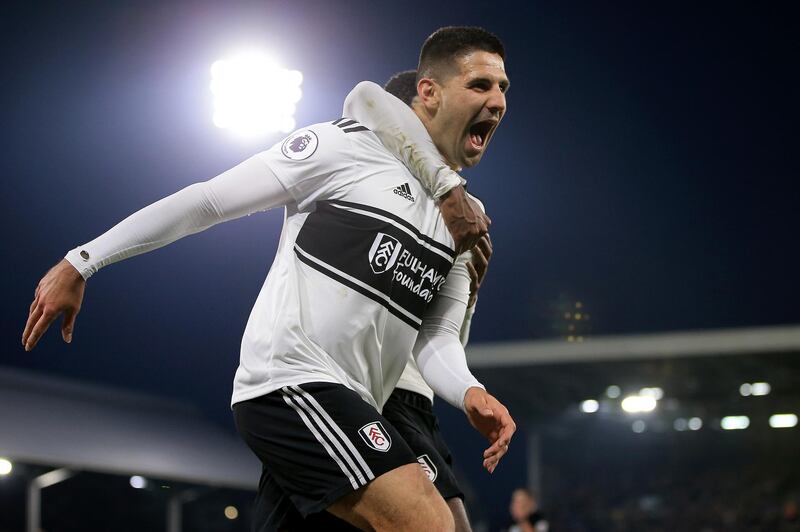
column 429, row 94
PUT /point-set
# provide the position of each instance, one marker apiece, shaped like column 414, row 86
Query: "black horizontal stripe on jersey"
column 342, row 240
column 425, row 238
column 346, row 123
column 355, row 128
column 358, row 288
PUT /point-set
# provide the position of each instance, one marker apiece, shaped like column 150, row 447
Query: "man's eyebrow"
column 503, row 82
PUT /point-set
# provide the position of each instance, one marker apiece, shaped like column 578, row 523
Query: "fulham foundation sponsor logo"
column 404, row 191
column 428, row 467
column 376, row 436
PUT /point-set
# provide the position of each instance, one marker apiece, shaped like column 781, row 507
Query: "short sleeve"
column 312, row 163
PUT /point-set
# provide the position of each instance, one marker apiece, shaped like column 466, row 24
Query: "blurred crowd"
column 748, row 498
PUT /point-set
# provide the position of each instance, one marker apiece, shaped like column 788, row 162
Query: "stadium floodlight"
column 654, row 392
column 634, row 404
column 755, row 388
column 231, row 512
column 695, row 423
column 735, row 422
column 590, row 406
column 783, row 421
column 138, row 482
column 5, row 467
column 254, row 95
column 613, row 391
column 638, row 426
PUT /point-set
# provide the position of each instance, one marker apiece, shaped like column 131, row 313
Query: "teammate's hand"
column 491, row 419
column 477, row 267
column 464, row 218
column 59, row 291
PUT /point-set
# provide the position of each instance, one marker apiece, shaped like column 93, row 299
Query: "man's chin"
column 471, row 160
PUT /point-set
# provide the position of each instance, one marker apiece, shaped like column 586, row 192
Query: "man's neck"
column 426, row 120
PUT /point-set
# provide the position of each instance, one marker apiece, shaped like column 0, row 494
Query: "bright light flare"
column 613, row 391
column 5, row 467
column 783, row 421
column 231, row 512
column 754, row 388
column 590, row 406
column 138, row 482
column 254, row 95
column 654, row 392
column 638, row 426
column 638, row 403
column 760, row 388
column 695, row 423
column 735, row 422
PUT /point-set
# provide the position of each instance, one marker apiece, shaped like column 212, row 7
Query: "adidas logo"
column 404, row 191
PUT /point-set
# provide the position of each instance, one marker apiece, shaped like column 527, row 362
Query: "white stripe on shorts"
column 348, row 443
column 301, row 396
column 289, row 401
column 325, row 437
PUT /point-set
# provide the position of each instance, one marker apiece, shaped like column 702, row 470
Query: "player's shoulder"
column 342, row 129
column 337, row 135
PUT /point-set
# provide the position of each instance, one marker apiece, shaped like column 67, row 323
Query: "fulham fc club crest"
column 428, row 467
column 384, row 252
column 376, row 436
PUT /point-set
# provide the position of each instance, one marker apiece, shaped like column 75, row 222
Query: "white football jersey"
column 362, row 252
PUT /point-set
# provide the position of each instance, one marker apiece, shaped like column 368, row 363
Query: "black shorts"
column 412, row 415
column 317, row 442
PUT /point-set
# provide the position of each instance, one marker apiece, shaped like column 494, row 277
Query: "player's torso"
column 362, row 262
column 381, row 232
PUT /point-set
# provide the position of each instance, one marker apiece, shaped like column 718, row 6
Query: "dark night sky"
column 646, row 166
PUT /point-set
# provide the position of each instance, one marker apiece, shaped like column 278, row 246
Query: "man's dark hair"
column 437, row 58
column 403, row 85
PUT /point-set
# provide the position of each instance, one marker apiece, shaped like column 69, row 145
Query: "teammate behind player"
column 410, row 406
column 354, row 279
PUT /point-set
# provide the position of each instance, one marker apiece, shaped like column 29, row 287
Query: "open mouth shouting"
column 479, row 134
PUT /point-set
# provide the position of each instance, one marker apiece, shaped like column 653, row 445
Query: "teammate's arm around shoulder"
column 402, row 133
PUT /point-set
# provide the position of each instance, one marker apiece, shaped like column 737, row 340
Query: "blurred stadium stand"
column 594, row 471
column 615, row 470
column 52, row 429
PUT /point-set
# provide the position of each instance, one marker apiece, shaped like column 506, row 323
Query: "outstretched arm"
column 403, row 134
column 247, row 188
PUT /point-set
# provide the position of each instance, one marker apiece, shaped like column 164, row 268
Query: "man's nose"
column 496, row 102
